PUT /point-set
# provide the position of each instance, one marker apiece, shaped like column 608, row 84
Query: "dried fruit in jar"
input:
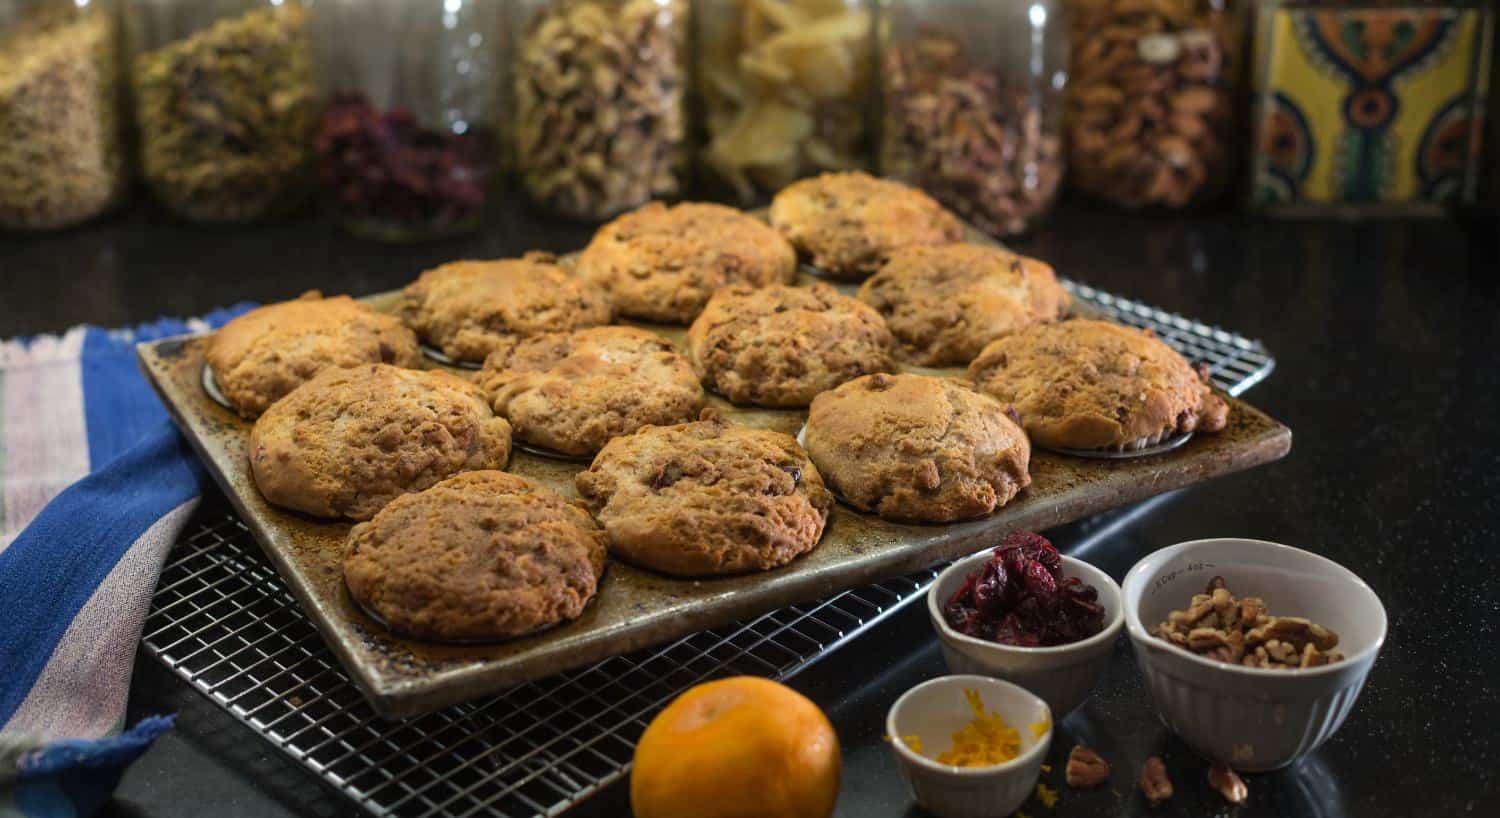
column 227, row 116
column 784, row 85
column 1150, row 100
column 386, row 172
column 60, row 156
column 600, row 104
column 975, row 142
column 1020, row 597
column 1238, row 630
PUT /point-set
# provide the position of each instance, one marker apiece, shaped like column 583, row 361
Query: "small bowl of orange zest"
column 969, row 746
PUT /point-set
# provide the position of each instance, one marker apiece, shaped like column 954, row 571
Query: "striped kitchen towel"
column 95, row 485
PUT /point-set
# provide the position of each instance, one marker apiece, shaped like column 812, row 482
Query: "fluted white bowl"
column 936, row 709
column 1063, row 675
column 1253, row 719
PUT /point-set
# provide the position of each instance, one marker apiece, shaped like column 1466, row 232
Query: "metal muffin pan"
column 636, row 608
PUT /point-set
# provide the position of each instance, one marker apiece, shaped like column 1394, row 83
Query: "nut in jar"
column 600, row 104
column 960, row 133
column 1150, row 108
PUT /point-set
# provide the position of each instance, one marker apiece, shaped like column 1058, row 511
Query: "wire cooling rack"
column 223, row 621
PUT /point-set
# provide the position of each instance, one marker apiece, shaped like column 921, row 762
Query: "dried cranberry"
column 1032, row 547
column 1040, row 582
column 386, row 168
column 1019, row 597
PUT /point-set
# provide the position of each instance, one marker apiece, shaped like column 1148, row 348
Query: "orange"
column 737, row 748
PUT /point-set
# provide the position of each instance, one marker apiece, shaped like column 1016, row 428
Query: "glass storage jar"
column 785, row 87
column 1151, row 108
column 61, row 160
column 407, row 145
column 599, row 102
column 971, row 98
column 225, row 105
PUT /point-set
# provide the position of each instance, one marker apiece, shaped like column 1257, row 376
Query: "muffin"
column 267, row 352
column 480, row 555
column 849, row 224
column 572, row 392
column 1095, row 385
column 779, row 346
column 945, row 302
column 350, row 440
column 661, row 263
column 917, row 449
column 467, row 308
column 706, row 497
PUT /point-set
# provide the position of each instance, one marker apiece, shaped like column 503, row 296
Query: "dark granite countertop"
column 1387, row 336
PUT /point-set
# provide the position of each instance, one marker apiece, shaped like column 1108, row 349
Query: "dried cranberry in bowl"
column 1020, row 597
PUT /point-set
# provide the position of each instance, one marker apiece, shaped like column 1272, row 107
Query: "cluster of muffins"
column 448, row 546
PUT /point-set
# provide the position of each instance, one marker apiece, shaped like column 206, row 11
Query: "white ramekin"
column 1253, row 719
column 935, row 710
column 1064, row 675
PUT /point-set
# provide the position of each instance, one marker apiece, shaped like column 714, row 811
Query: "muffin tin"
column 635, row 607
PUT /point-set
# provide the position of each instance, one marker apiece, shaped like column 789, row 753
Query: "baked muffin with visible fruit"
column 260, row 356
column 848, row 224
column 479, row 556
column 917, row 448
column 350, row 440
column 707, row 497
column 573, row 391
column 467, row 308
column 662, row 263
column 779, row 346
column 943, row 303
column 1085, row 384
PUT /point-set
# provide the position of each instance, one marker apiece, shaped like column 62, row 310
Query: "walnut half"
column 1086, row 768
column 1228, row 784
column 1154, row 782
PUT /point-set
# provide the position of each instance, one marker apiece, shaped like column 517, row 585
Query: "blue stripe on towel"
column 60, row 559
column 119, row 406
column 73, row 778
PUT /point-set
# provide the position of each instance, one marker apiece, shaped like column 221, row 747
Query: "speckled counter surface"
column 1387, row 337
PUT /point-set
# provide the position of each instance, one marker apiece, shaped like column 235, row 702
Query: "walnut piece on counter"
column 1227, row 783
column 1086, row 768
column 1240, row 631
column 1154, row 782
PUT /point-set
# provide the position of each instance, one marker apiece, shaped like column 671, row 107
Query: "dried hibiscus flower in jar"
column 1020, row 597
column 390, row 177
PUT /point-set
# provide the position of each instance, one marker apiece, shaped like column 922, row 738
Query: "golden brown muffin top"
column 260, row 356
column 708, row 497
column 661, row 263
column 1084, row 384
column 481, row 555
column 348, row 441
column 572, row 392
column 849, row 224
column 945, row 302
column 781, row 345
column 914, row 447
column 465, row 308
